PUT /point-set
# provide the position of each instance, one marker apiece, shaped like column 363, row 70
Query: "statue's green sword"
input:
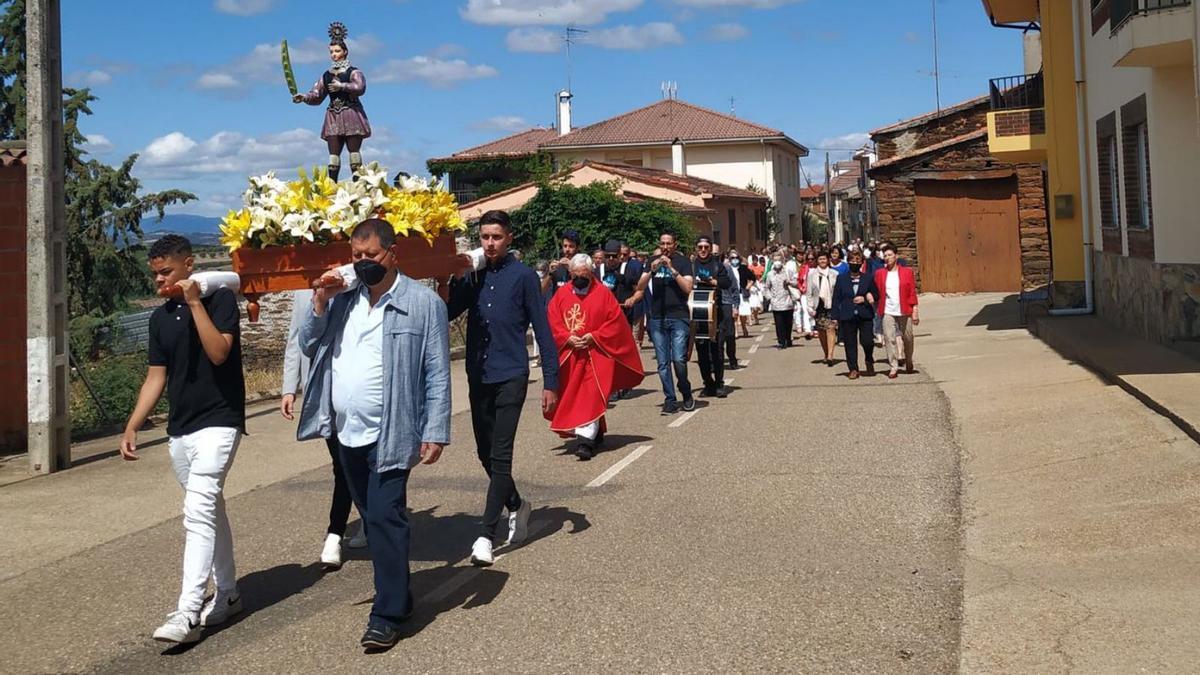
column 287, row 68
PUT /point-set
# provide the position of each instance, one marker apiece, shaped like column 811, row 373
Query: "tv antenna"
column 569, row 38
column 670, row 90
column 732, row 108
column 937, row 74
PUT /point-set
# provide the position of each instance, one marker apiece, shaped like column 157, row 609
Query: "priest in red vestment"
column 596, row 354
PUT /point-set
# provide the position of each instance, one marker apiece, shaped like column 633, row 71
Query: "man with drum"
column 711, row 275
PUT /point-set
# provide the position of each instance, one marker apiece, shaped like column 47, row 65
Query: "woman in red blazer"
column 897, row 307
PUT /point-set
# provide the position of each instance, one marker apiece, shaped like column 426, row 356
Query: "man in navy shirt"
column 501, row 302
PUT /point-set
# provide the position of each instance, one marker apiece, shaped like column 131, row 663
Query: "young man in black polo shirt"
column 195, row 355
column 669, row 282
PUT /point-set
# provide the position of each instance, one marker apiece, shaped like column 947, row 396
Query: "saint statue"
column 346, row 122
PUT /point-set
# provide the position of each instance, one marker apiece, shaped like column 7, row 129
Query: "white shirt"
column 358, row 371
column 892, row 306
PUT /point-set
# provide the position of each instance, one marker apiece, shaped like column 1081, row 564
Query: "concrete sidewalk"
column 1081, row 534
column 1165, row 380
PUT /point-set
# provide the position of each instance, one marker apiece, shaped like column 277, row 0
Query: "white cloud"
column 851, row 141
column 502, row 123
column 243, row 7
column 433, row 71
column 89, row 78
column 648, row 36
column 756, row 4
column 727, row 32
column 543, row 12
column 177, row 156
column 98, row 144
column 262, row 63
column 536, row 40
column 448, row 50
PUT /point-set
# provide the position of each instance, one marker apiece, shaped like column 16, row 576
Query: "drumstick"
column 172, row 291
column 329, row 282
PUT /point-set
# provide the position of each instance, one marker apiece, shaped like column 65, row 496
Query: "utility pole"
column 46, row 350
column 937, row 72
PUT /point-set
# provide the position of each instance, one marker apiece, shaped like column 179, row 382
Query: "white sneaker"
column 518, row 523
column 220, row 607
column 331, row 555
column 359, row 540
column 180, row 628
column 481, row 553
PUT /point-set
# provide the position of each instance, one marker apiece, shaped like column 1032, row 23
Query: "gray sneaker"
column 180, row 628
column 518, row 523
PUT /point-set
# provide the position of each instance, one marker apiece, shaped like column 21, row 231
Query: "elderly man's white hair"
column 581, row 261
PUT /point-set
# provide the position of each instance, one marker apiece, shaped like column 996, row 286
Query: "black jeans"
column 855, row 332
column 382, row 500
column 339, row 508
column 783, row 327
column 731, row 340
column 495, row 412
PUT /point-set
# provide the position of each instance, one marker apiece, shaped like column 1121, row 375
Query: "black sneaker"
column 722, row 392
column 709, row 390
column 670, row 408
column 733, row 365
column 689, row 404
column 380, row 636
column 585, row 450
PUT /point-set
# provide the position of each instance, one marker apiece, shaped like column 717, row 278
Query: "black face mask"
column 369, row 272
column 581, row 282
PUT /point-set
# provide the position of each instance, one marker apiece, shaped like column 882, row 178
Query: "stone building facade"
column 952, row 145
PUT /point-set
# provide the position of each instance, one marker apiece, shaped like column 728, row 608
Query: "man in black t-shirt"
column 710, row 274
column 195, row 355
column 669, row 282
column 560, row 274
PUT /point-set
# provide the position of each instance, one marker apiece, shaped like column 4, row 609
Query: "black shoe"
column 612, row 398
column 689, row 403
column 670, row 408
column 585, row 450
column 722, row 392
column 600, row 438
column 379, row 636
column 626, row 394
column 733, row 365
column 709, row 390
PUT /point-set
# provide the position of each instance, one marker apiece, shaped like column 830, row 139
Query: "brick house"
column 964, row 220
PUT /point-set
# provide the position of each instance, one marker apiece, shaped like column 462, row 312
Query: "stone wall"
column 264, row 342
column 1158, row 302
column 888, row 144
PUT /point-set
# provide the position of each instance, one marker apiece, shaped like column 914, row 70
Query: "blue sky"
column 195, row 86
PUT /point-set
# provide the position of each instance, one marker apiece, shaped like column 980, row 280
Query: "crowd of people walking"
column 369, row 349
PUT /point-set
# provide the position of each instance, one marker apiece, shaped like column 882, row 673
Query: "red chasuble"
column 587, row 377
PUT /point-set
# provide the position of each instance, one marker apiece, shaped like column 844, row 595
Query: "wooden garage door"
column 968, row 235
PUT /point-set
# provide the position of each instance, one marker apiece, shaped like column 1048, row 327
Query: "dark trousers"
column 783, row 327
column 339, row 508
column 712, row 363
column 855, row 332
column 495, row 412
column 730, row 326
column 382, row 500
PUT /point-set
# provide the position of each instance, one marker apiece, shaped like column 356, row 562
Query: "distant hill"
column 201, row 230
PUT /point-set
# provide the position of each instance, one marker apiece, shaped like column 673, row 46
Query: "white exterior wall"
column 732, row 164
column 1174, row 142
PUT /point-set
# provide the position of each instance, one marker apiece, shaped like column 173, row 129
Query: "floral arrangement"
column 316, row 209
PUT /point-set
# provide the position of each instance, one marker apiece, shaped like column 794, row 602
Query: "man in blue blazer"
column 854, row 297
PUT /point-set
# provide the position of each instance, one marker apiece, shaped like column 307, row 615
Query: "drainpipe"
column 1196, row 60
column 1085, row 169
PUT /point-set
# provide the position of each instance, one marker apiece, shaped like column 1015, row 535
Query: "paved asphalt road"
column 805, row 524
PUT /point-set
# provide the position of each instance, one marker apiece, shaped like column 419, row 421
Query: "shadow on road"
column 1003, row 315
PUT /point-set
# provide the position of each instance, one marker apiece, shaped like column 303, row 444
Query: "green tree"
column 598, row 214
column 104, row 210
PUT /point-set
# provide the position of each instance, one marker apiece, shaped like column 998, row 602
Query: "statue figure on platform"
column 346, row 122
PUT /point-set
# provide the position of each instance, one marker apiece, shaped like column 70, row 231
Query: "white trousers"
column 589, row 431
column 804, row 320
column 201, row 461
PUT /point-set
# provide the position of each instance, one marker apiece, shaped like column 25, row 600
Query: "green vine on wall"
column 535, row 167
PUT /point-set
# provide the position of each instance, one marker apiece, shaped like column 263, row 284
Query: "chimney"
column 677, row 164
column 564, row 112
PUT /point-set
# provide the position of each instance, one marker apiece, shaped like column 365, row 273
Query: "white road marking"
column 619, row 466
column 759, row 338
column 753, row 349
column 682, row 420
column 728, row 381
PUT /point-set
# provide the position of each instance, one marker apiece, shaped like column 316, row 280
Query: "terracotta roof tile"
column 927, row 117
column 666, row 178
column 812, row 192
column 516, row 145
column 663, row 122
